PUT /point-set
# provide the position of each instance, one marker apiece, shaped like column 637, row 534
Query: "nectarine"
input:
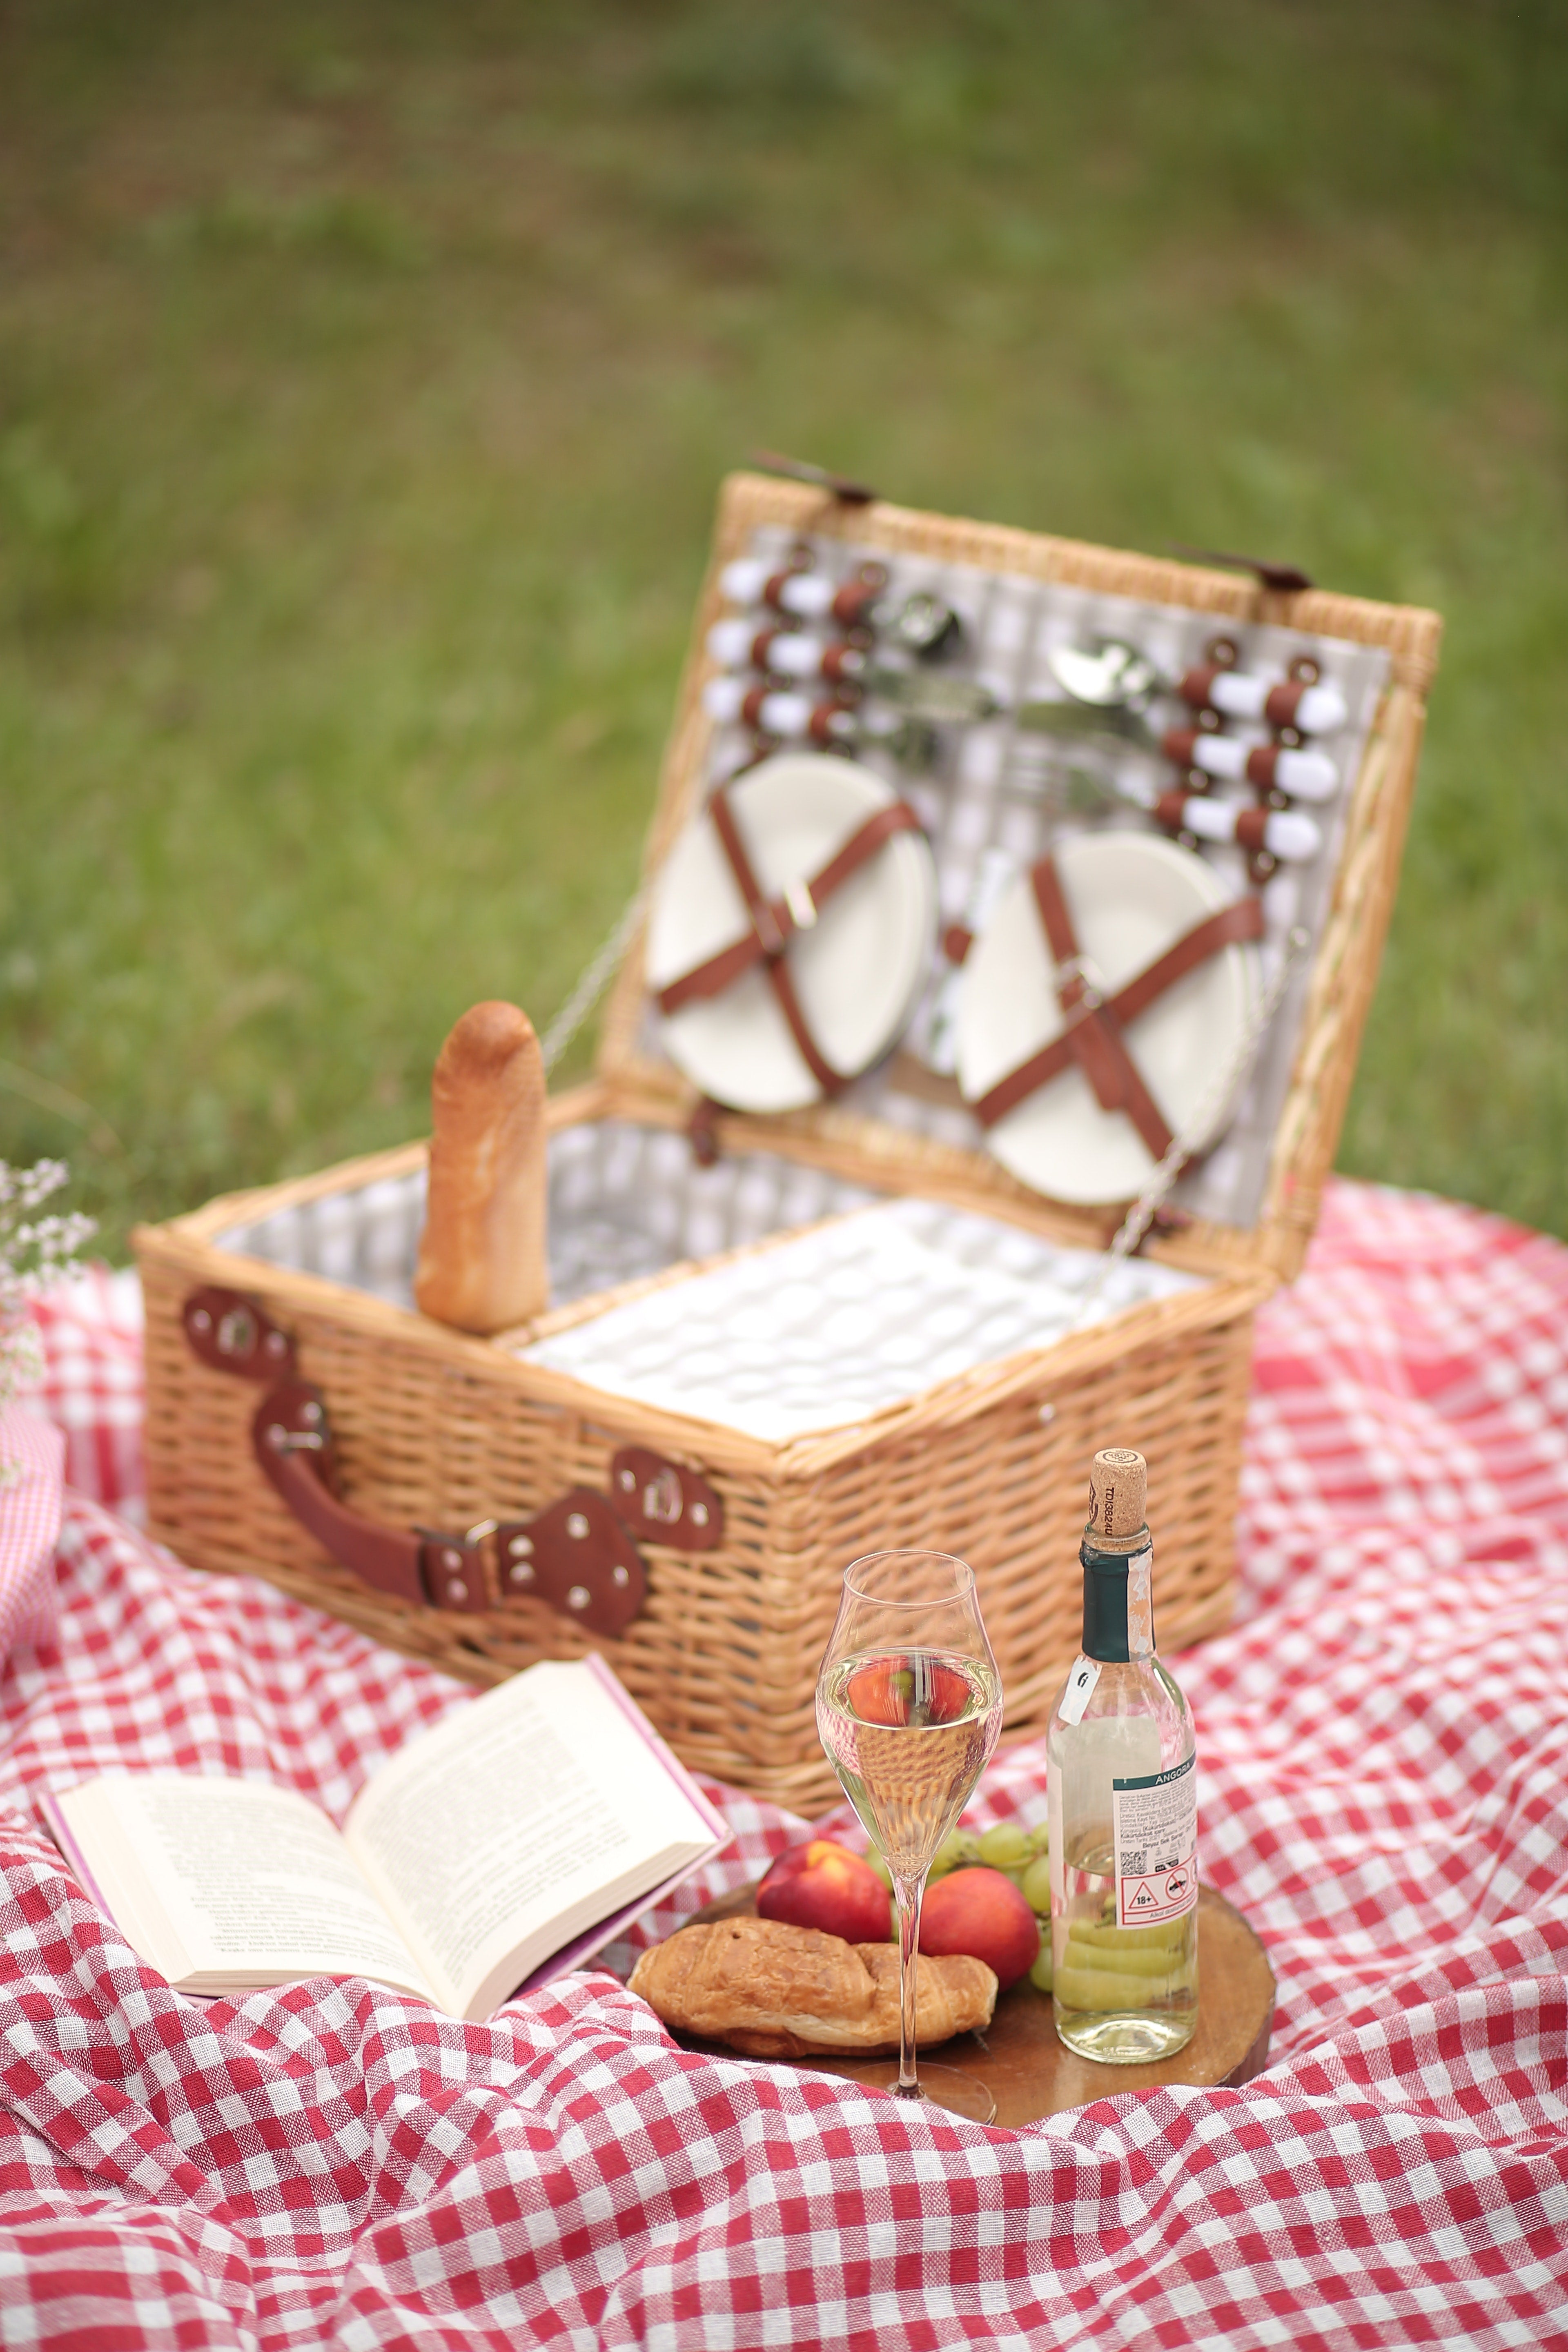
column 823, row 1885
column 917, row 1689
column 981, row 1912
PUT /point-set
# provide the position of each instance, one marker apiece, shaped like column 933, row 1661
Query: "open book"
column 509, row 1843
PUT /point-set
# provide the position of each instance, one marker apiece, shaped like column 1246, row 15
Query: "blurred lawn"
column 366, row 374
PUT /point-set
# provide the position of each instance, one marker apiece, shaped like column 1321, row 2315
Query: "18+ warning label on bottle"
column 1155, row 1821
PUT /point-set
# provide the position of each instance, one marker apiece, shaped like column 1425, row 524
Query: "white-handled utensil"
column 923, row 625
column 1115, row 676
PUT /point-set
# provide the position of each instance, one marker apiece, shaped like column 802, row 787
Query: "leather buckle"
column 1080, row 984
column 454, row 1568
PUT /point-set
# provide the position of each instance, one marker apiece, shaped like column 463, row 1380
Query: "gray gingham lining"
column 625, row 1201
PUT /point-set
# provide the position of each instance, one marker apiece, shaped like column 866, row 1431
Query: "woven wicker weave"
column 435, row 1429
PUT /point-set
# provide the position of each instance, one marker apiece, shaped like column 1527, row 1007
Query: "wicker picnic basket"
column 717, row 1552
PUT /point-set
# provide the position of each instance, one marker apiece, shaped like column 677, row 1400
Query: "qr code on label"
column 1133, row 1866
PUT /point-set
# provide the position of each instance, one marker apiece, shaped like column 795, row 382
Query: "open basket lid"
column 993, row 811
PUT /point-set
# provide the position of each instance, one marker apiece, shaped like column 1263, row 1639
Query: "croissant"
column 771, row 1991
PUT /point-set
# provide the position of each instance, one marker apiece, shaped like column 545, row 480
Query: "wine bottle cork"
column 1118, row 1492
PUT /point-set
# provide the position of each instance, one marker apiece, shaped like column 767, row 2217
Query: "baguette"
column 482, row 1257
column 771, row 1991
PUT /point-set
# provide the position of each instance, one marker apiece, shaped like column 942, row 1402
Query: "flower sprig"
column 34, row 1253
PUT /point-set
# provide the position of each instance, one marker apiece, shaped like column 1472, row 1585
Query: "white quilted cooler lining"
column 848, row 1318
column 870, row 1303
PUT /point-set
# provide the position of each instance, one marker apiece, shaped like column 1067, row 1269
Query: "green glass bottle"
column 1123, row 1803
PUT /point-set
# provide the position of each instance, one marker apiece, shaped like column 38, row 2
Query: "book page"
column 518, row 1823
column 250, row 1884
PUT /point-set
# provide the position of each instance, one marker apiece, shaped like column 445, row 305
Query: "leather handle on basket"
column 292, row 1441
column 576, row 1557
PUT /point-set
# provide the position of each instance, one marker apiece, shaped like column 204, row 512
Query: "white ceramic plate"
column 857, row 970
column 1130, row 895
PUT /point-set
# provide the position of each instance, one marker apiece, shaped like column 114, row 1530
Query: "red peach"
column 826, row 1886
column 981, row 1912
column 890, row 1689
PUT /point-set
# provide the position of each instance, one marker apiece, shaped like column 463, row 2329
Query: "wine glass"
column 908, row 1707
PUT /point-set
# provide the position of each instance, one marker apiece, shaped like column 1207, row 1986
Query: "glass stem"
column 908, row 1892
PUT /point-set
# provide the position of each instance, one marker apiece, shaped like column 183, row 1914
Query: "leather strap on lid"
column 1231, row 926
column 1094, row 1037
column 774, row 922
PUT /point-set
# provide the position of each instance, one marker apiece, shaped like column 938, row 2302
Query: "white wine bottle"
column 1123, row 1803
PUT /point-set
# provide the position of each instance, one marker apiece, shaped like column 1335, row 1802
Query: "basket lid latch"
column 229, row 1332
column 665, row 1502
column 578, row 1557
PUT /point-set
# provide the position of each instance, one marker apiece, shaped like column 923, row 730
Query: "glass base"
column 1132, row 2038
column 950, row 2089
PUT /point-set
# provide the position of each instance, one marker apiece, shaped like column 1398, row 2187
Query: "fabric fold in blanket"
column 1384, row 1751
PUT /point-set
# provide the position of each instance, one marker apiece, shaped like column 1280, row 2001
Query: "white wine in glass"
column 909, row 1706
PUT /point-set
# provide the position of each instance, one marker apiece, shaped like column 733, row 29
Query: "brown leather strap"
column 1196, row 686
column 1094, row 1038
column 772, row 937
column 774, row 925
column 1062, row 940
column 1242, row 920
column 1284, row 701
column 1233, row 925
column 831, row 1081
column 291, row 1437
column 576, row 1556
column 1180, row 745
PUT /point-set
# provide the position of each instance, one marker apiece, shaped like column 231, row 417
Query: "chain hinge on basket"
column 577, row 1555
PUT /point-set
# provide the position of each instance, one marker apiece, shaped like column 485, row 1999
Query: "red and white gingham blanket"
column 1384, row 1745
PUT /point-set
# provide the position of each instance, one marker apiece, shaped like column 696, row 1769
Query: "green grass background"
column 366, row 374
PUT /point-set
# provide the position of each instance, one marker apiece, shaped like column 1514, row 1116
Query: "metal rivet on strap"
column 519, row 1572
column 276, row 1344
column 621, row 1577
column 579, row 1597
column 576, row 1525
column 699, row 1514
column 456, row 1590
column 201, row 1320
column 310, row 1412
column 521, row 1547
column 629, row 1479
column 451, row 1560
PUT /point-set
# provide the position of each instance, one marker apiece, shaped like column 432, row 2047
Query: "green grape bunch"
column 1021, row 1854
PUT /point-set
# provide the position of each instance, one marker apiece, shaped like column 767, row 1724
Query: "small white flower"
column 35, row 1252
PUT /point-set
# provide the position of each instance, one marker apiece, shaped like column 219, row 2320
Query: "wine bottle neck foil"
column 1118, row 1602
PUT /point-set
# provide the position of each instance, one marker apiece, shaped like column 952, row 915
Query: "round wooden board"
column 1027, row 2071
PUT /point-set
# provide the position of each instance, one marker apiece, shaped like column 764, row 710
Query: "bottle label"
column 1155, row 1823
column 1080, row 1690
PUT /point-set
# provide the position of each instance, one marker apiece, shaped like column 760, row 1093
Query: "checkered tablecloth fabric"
column 1384, row 1744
